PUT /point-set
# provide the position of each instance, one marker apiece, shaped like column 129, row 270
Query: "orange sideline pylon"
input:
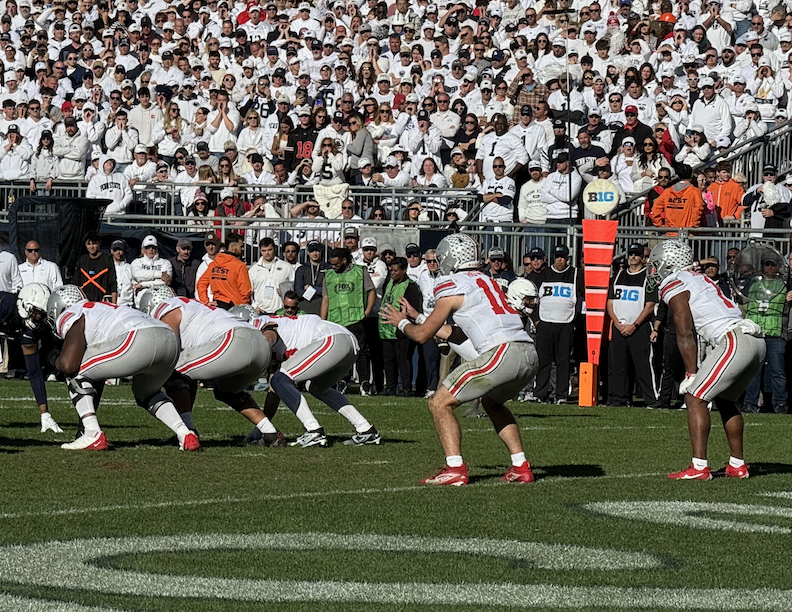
column 599, row 237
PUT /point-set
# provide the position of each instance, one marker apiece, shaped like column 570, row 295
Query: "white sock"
column 169, row 416
column 454, row 461
column 85, row 406
column 351, row 414
column 91, row 424
column 188, row 420
column 306, row 416
column 699, row 464
column 736, row 463
column 266, row 426
column 518, row 459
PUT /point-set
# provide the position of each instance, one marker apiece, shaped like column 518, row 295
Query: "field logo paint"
column 70, row 564
column 692, row 514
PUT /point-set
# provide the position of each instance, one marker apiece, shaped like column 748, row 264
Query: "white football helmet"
column 457, row 252
column 32, row 304
column 246, row 312
column 667, row 258
column 62, row 298
column 152, row 297
column 523, row 295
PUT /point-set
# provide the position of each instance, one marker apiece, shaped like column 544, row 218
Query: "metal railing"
column 748, row 158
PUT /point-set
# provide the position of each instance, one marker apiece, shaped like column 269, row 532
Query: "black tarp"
column 57, row 224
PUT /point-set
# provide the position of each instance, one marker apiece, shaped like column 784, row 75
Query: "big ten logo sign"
column 628, row 295
column 562, row 291
column 600, row 196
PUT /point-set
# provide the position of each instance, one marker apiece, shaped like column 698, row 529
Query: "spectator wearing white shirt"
column 711, row 112
column 557, row 195
column 35, row 269
column 497, row 193
column 10, row 279
column 123, row 270
column 150, row 270
column 266, row 276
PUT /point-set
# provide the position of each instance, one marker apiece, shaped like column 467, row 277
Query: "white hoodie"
column 113, row 186
column 15, row 162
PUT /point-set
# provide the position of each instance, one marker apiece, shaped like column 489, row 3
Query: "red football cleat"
column 190, row 443
column 520, row 473
column 692, row 473
column 733, row 472
column 454, row 476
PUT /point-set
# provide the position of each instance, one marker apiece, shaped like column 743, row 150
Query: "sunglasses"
column 32, row 250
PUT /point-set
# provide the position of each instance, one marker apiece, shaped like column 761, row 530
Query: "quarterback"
column 506, row 359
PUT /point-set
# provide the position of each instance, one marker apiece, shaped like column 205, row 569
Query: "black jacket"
column 183, row 283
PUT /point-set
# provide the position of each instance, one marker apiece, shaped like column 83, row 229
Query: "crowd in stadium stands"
column 521, row 103
column 640, row 356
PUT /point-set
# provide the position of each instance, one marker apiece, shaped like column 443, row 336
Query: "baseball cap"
column 211, row 238
column 368, row 243
column 386, row 248
column 536, row 253
column 534, row 165
column 183, row 243
column 496, row 253
column 526, row 110
column 631, row 109
column 226, row 193
column 723, row 141
column 118, row 244
column 150, row 240
column 391, row 162
column 412, row 249
column 351, row 232
column 561, row 250
column 423, row 115
column 141, row 148
column 202, row 146
column 363, row 162
column 313, row 245
column 558, row 123
column 769, row 168
column 636, row 247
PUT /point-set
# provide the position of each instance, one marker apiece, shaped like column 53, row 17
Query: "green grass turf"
column 579, row 456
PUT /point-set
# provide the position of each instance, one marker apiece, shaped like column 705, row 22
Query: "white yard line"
column 295, row 495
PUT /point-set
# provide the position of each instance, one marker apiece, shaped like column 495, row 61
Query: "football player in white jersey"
column 735, row 353
column 215, row 346
column 102, row 341
column 318, row 353
column 506, row 355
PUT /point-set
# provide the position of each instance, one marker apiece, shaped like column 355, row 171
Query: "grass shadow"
column 569, row 471
column 555, row 416
column 767, row 468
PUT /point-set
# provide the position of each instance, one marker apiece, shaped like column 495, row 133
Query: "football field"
column 145, row 527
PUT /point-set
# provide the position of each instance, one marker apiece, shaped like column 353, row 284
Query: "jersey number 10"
column 495, row 295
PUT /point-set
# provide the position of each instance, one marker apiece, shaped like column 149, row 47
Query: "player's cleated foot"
column 365, row 389
column 254, row 436
column 452, row 476
column 520, row 473
column 367, row 437
column 733, row 472
column 692, row 473
column 271, row 440
column 92, row 440
column 190, row 442
column 49, row 424
column 316, row 437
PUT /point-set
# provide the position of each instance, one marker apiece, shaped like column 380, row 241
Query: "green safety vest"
column 767, row 314
column 346, row 299
column 393, row 296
